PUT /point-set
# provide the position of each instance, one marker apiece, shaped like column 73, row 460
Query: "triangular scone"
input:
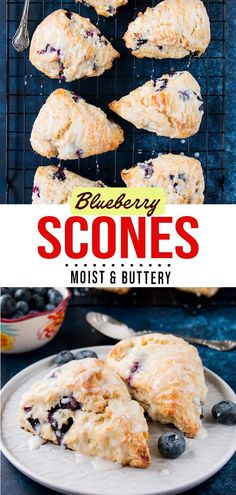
column 55, row 185
column 165, row 374
column 170, row 106
column 200, row 291
column 104, row 7
column 85, row 406
column 180, row 177
column 172, row 29
column 68, row 128
column 67, row 46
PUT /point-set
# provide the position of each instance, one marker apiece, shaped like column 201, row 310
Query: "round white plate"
column 56, row 468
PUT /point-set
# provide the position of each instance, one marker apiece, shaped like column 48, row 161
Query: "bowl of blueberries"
column 30, row 316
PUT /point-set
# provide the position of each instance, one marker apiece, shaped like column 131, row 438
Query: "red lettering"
column 56, row 246
column 157, row 236
column 69, row 237
column 96, row 237
column 194, row 248
column 138, row 239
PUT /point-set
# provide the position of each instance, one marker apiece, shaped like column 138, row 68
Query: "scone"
column 170, row 106
column 172, row 29
column 55, row 185
column 165, row 375
column 68, row 128
column 104, row 7
column 201, row 291
column 86, row 407
column 181, row 177
column 67, row 46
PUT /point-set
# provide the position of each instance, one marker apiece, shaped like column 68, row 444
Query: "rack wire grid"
column 27, row 90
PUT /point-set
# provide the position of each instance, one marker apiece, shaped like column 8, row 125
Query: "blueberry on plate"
column 4, row 290
column 64, row 357
column 171, row 445
column 85, row 354
column 54, row 296
column 7, row 305
column 22, row 307
column 17, row 315
column 23, row 295
column 225, row 412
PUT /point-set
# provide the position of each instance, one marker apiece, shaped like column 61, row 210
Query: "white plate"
column 56, row 468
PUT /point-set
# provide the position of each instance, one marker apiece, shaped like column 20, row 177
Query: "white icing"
column 202, row 434
column 103, row 465
column 34, row 442
column 164, row 472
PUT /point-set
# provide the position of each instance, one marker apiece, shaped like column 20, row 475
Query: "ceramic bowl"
column 34, row 330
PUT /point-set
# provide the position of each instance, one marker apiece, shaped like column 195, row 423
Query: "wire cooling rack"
column 27, row 90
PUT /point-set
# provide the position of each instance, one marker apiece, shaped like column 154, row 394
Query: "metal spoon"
column 20, row 40
column 116, row 330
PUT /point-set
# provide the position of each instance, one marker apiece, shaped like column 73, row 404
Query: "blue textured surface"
column 209, row 322
column 131, row 72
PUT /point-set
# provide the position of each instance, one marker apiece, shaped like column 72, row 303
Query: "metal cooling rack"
column 27, row 90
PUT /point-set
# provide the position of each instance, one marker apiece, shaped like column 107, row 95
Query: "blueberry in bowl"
column 171, row 444
column 30, row 317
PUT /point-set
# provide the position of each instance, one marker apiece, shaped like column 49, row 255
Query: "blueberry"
column 4, row 290
column 23, row 295
column 64, row 357
column 85, row 354
column 22, row 307
column 171, row 445
column 225, row 412
column 42, row 291
column 54, row 296
column 49, row 307
column 7, row 305
column 17, row 315
column 32, row 311
column 37, row 302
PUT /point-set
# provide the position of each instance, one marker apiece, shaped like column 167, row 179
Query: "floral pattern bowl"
column 33, row 330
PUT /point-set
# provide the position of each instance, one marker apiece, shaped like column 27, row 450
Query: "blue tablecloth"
column 210, row 322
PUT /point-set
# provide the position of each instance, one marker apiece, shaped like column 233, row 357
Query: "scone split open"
column 85, row 406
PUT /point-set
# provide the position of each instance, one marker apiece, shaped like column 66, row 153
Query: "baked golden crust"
column 85, row 406
column 106, row 8
column 201, row 291
column 172, row 29
column 53, row 185
column 170, row 106
column 67, row 46
column 165, row 375
column 69, row 128
column 181, row 177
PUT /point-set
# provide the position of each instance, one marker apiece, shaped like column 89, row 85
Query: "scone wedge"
column 201, row 291
column 55, row 185
column 67, row 127
column 165, row 375
column 68, row 46
column 170, row 106
column 180, row 177
column 171, row 29
column 107, row 8
column 85, row 406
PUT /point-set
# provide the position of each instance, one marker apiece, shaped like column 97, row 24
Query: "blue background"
column 28, row 94
column 160, row 310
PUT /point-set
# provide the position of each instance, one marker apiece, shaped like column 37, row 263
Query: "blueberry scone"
column 68, row 128
column 172, row 29
column 201, row 291
column 181, row 177
column 165, row 375
column 55, row 185
column 86, row 407
column 67, row 46
column 170, row 106
column 104, row 7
